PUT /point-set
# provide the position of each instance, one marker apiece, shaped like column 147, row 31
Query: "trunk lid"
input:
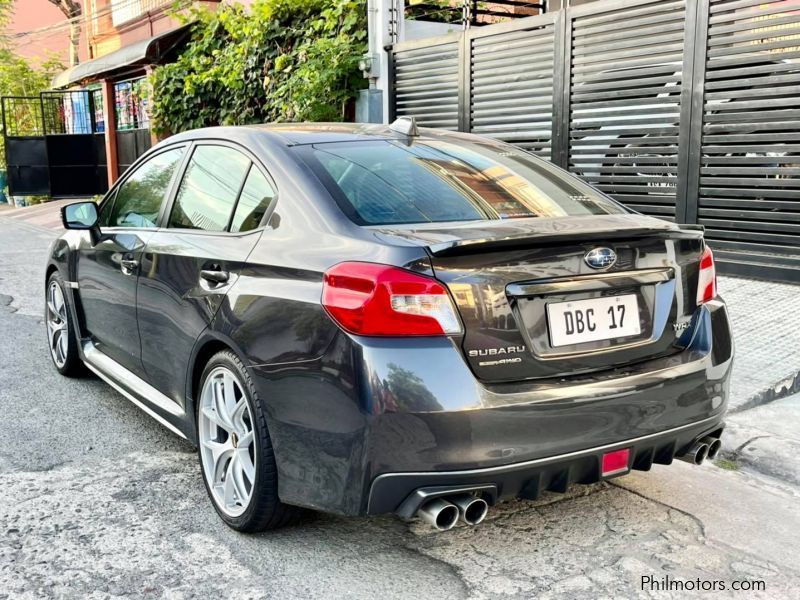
column 514, row 281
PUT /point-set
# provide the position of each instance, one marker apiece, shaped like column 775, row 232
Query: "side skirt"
column 132, row 387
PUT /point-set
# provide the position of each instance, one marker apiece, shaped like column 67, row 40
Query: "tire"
column 61, row 340
column 235, row 450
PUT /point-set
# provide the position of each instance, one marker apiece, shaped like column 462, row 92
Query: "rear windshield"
column 385, row 182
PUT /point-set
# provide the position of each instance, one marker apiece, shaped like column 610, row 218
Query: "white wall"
column 415, row 30
column 379, row 12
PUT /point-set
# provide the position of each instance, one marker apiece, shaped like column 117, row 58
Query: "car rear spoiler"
column 522, row 240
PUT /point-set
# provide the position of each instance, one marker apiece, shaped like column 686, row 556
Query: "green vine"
column 283, row 60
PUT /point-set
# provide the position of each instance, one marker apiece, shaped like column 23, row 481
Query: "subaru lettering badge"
column 600, row 258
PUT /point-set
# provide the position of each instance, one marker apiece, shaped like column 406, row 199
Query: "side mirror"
column 81, row 215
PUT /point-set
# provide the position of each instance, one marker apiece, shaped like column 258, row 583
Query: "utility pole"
column 385, row 22
column 72, row 10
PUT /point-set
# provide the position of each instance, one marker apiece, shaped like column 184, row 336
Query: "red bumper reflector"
column 616, row 461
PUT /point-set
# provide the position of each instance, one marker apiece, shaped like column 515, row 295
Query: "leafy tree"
column 285, row 60
column 6, row 10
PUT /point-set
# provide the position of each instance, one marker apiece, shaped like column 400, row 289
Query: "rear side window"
column 389, row 182
column 138, row 199
column 209, row 189
column 256, row 196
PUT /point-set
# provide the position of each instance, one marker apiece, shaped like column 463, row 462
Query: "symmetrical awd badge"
column 600, row 258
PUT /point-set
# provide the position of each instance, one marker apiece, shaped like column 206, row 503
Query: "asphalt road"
column 99, row 501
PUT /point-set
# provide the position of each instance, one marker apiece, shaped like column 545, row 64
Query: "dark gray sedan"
column 367, row 319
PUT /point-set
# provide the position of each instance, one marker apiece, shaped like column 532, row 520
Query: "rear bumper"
column 359, row 429
column 530, row 478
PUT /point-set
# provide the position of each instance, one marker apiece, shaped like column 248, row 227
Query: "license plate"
column 582, row 321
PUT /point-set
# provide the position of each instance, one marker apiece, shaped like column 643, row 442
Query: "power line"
column 63, row 26
column 78, row 19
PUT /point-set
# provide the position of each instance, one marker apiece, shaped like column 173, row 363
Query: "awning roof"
column 145, row 52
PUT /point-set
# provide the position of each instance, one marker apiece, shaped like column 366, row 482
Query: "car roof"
column 314, row 133
column 293, row 134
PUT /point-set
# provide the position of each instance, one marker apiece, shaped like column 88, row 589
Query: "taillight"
column 707, row 280
column 380, row 300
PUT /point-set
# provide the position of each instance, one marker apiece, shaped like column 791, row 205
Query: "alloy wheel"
column 57, row 324
column 226, row 438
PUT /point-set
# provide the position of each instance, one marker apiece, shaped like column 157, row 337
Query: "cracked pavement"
column 99, row 501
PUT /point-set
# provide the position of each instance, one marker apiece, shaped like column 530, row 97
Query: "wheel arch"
column 51, row 268
column 207, row 345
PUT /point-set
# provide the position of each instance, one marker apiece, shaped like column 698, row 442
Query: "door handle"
column 214, row 276
column 129, row 265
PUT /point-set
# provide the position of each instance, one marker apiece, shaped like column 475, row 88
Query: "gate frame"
column 36, row 101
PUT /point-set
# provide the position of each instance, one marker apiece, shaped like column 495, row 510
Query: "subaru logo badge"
column 600, row 258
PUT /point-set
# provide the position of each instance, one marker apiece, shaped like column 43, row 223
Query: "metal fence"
column 133, row 121
column 52, row 145
column 686, row 110
column 55, row 142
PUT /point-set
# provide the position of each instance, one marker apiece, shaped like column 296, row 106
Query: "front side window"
column 138, row 200
column 210, row 187
column 390, row 182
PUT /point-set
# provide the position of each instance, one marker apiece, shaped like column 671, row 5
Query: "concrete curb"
column 785, row 387
column 762, row 451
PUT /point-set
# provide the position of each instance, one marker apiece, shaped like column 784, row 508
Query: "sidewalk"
column 763, row 421
column 766, row 331
column 766, row 439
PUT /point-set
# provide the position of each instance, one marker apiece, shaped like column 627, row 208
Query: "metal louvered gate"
column 748, row 181
column 427, row 82
column 512, row 84
column 626, row 99
column 685, row 110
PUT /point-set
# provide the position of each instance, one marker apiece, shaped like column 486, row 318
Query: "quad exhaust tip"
column 714, row 446
column 440, row 513
column 696, row 454
column 444, row 513
column 471, row 509
column 707, row 447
